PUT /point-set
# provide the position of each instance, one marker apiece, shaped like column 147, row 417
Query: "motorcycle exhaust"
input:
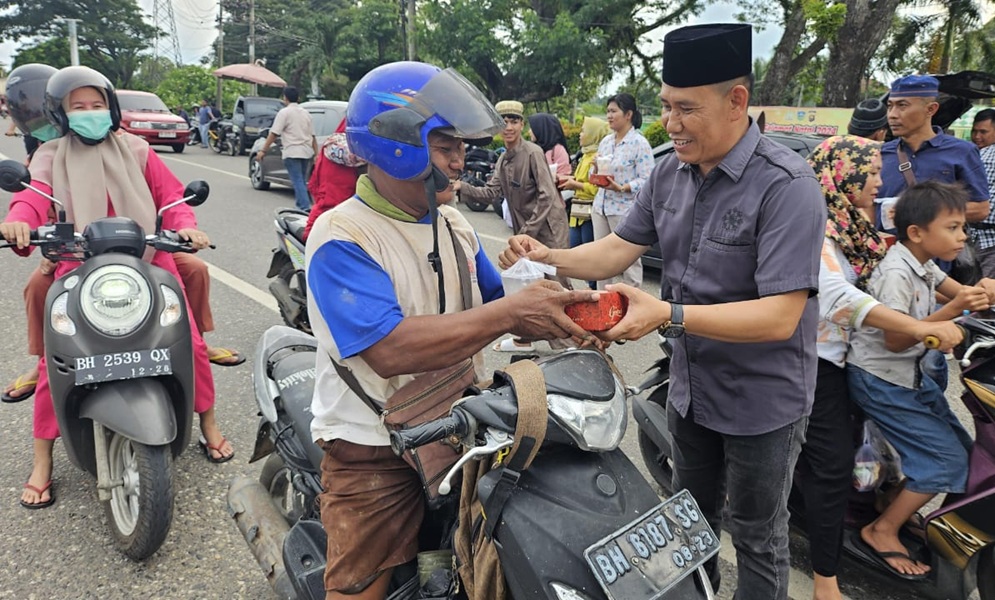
column 281, row 291
column 263, row 528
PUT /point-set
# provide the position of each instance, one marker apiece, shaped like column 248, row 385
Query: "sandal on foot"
column 23, row 384
column 207, row 448
column 509, row 345
column 44, row 503
column 880, row 559
column 224, row 357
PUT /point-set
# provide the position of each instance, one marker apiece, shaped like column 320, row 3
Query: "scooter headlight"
column 115, row 299
column 595, row 425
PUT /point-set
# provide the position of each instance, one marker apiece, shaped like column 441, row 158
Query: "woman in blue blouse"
column 630, row 163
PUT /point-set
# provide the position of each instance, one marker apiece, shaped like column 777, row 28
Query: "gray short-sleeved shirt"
column 752, row 228
column 904, row 284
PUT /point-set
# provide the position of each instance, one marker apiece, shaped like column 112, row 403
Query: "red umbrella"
column 251, row 73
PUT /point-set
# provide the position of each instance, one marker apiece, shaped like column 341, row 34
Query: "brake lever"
column 979, row 344
column 494, row 441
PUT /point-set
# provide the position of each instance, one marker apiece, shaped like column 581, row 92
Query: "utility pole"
column 252, row 39
column 221, row 46
column 73, row 42
column 410, row 21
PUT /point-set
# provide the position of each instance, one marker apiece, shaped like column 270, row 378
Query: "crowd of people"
column 784, row 302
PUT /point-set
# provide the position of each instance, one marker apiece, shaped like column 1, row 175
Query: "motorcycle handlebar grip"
column 426, row 433
column 931, row 341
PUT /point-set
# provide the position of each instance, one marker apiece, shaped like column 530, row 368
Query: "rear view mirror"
column 199, row 190
column 13, row 176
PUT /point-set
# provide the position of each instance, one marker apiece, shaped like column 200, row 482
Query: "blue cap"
column 915, row 86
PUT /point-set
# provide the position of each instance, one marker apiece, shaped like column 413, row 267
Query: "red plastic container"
column 599, row 180
column 601, row 315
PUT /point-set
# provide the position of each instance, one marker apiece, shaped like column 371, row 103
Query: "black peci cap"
column 707, row 54
column 869, row 116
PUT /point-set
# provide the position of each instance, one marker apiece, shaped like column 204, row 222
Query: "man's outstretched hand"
column 538, row 313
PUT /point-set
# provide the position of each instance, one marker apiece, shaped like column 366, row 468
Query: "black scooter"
column 478, row 166
column 287, row 266
column 120, row 362
column 960, row 535
column 580, row 522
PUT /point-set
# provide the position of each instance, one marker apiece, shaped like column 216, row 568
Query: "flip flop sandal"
column 207, row 448
column 880, row 558
column 221, row 357
column 20, row 384
column 40, row 491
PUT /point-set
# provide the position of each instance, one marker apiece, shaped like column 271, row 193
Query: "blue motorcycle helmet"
column 26, row 100
column 394, row 107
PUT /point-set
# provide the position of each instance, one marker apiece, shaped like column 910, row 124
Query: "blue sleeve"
column 488, row 278
column 354, row 295
column 974, row 176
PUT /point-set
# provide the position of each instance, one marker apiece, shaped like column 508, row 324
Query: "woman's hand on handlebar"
column 16, row 232
column 198, row 239
column 948, row 333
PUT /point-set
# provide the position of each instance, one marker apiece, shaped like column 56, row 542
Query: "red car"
column 146, row 115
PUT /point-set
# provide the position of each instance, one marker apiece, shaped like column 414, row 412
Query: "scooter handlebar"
column 456, row 424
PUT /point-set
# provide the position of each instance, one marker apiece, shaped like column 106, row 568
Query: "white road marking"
column 245, row 288
column 193, row 164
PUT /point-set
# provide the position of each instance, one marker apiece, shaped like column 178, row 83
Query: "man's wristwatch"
column 675, row 326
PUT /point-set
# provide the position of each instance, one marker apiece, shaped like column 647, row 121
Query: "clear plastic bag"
column 868, row 463
column 524, row 272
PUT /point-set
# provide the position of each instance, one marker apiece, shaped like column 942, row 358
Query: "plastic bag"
column 868, row 464
column 524, row 272
column 506, row 214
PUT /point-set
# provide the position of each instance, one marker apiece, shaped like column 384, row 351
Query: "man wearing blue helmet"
column 388, row 320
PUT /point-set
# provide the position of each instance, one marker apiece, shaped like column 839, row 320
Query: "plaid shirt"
column 984, row 231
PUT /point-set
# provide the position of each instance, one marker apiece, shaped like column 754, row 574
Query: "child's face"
column 944, row 237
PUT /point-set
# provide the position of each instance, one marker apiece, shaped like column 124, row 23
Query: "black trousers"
column 825, row 468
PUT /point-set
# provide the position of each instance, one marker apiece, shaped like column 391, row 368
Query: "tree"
column 53, row 51
column 186, row 85
column 808, row 26
column 950, row 35
column 536, row 50
column 865, row 27
column 111, row 37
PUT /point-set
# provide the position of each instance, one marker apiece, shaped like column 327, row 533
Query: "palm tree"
column 950, row 31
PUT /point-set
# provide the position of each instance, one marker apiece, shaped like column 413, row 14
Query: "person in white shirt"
column 293, row 125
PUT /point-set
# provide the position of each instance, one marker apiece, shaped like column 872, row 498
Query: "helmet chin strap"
column 436, row 182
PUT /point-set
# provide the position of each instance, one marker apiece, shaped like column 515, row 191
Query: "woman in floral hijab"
column 848, row 169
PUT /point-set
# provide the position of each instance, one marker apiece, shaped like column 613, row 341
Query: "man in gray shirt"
column 296, row 131
column 740, row 221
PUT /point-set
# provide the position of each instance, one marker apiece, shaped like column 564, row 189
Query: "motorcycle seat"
column 294, row 222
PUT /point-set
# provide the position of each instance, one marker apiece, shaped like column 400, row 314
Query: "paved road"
column 66, row 550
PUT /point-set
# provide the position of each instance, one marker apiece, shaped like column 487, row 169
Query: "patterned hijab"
column 842, row 164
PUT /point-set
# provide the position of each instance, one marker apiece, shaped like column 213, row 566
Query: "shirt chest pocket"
column 728, row 246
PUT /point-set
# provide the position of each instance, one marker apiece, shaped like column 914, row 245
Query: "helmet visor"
column 449, row 96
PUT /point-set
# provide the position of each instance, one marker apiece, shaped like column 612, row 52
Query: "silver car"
column 325, row 115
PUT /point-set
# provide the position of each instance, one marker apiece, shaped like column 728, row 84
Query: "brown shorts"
column 372, row 509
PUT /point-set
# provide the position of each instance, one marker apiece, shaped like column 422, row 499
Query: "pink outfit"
column 30, row 208
column 559, row 156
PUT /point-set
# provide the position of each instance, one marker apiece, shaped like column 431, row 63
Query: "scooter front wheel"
column 140, row 510
column 659, row 461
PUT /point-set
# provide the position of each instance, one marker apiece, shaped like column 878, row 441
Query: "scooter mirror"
column 13, row 176
column 199, row 190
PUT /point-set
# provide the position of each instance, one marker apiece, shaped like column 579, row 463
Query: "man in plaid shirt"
column 983, row 231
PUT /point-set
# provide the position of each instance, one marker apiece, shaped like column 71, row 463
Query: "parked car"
column 250, row 116
column 325, row 115
column 146, row 115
